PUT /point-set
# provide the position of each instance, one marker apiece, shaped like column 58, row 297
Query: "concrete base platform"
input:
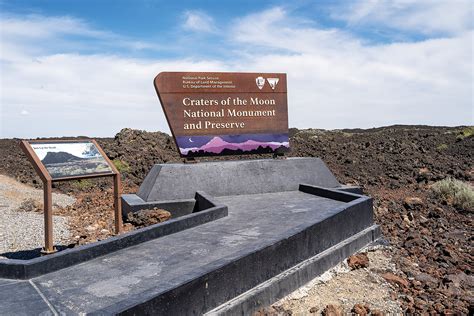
column 269, row 244
column 290, row 280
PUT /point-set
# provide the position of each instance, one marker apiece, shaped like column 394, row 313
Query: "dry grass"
column 455, row 192
column 465, row 133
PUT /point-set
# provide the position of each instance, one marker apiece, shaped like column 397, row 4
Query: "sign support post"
column 48, row 218
column 118, row 204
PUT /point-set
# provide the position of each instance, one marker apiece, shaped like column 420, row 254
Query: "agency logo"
column 273, row 82
column 260, row 82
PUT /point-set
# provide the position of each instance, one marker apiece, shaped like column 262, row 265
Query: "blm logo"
column 273, row 82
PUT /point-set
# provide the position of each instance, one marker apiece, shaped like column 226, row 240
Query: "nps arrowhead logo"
column 260, row 82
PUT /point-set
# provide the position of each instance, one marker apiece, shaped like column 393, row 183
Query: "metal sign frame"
column 48, row 181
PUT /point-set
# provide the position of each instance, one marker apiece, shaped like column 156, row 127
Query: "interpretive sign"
column 219, row 113
column 60, row 160
column 71, row 159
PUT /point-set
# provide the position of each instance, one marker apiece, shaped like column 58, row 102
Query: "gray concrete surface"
column 273, row 225
column 181, row 181
column 213, row 256
column 22, row 298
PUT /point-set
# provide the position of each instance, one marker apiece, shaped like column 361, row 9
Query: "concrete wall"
column 182, row 181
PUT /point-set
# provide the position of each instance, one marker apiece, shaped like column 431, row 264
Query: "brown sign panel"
column 218, row 113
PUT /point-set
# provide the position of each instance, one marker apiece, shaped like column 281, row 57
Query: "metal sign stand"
column 48, row 188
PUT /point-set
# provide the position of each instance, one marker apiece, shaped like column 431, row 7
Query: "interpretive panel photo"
column 71, row 159
column 219, row 113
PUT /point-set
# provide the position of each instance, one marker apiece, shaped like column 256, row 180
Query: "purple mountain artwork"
column 232, row 144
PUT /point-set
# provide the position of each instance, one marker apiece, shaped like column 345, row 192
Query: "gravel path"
column 22, row 232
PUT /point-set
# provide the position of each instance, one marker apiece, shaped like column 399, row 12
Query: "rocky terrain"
column 430, row 233
column 354, row 285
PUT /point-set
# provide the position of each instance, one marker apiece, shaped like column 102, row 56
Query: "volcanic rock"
column 30, row 205
column 377, row 312
column 394, row 279
column 427, row 279
column 358, row 261
column 389, row 163
column 313, row 309
column 360, row 309
column 332, row 310
column 424, row 174
column 412, row 203
column 145, row 218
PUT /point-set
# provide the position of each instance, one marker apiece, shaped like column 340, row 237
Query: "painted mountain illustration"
column 59, row 157
column 217, row 145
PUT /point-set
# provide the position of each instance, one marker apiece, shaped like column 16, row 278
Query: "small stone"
column 456, row 279
column 412, row 203
column 358, row 261
column 406, row 219
column 439, row 307
column 427, row 279
column 91, row 228
column 424, row 174
column 313, row 309
column 30, row 205
column 420, row 304
column 376, row 312
column 360, row 309
column 332, row 310
column 394, row 279
column 409, row 299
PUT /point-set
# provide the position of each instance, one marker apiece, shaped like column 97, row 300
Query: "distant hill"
column 59, row 157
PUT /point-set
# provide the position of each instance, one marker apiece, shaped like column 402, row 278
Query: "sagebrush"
column 455, row 192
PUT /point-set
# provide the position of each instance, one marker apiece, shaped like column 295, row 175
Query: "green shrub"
column 465, row 133
column 442, row 147
column 122, row 166
column 82, row 184
column 455, row 192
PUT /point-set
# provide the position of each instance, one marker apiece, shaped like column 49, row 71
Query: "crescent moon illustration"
column 190, row 140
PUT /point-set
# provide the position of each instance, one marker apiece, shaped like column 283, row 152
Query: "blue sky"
column 86, row 67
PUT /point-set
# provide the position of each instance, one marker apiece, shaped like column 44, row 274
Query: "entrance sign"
column 219, row 113
column 60, row 160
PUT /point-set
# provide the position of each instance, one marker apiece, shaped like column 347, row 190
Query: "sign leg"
column 48, row 218
column 117, row 204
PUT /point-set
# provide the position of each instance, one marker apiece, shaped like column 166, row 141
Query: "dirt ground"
column 344, row 288
column 431, row 239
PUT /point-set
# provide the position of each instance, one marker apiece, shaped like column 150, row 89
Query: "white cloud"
column 91, row 95
column 37, row 26
column 24, row 112
column 198, row 21
column 422, row 16
column 276, row 30
column 335, row 79
column 22, row 36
